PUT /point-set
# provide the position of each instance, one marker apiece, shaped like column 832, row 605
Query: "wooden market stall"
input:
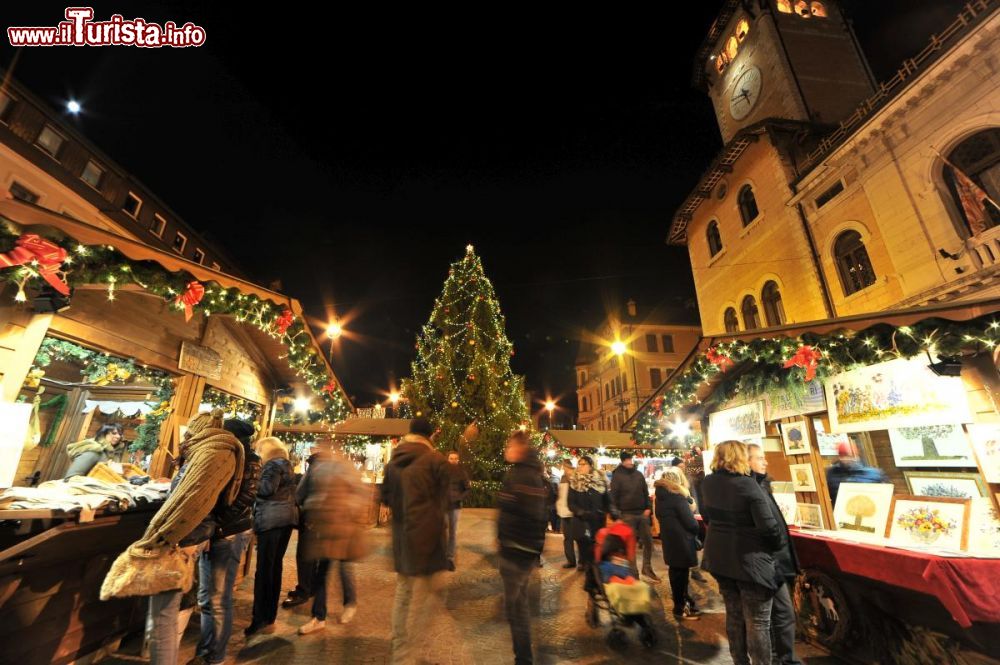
column 145, row 339
column 909, row 569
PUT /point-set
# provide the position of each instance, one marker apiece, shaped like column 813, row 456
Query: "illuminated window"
column 748, row 205
column 743, row 28
column 92, row 174
column 774, row 312
column 785, row 6
column 818, row 9
column 853, row 264
column 732, row 47
column 714, row 238
column 751, row 315
column 802, row 9
column 720, row 63
column 731, row 322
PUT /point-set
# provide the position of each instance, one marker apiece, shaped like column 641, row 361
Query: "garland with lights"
column 461, row 377
column 230, row 404
column 27, row 260
column 778, row 364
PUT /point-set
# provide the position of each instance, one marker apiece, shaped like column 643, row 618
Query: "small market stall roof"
column 848, row 325
column 373, row 427
column 582, row 438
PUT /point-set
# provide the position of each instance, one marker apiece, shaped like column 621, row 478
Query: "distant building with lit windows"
column 835, row 195
column 611, row 386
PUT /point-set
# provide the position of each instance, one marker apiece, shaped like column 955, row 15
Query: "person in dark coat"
column 678, row 534
column 589, row 502
column 305, row 570
column 416, row 490
column 458, row 488
column 739, row 551
column 786, row 565
column 523, row 504
column 630, row 503
column 274, row 516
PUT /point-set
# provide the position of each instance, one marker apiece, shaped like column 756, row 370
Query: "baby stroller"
column 627, row 600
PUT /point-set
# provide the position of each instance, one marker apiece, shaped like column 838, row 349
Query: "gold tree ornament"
column 471, row 432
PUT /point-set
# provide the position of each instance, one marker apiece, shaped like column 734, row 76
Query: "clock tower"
column 791, row 59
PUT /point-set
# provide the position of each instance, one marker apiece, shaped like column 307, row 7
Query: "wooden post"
column 21, row 335
column 187, row 398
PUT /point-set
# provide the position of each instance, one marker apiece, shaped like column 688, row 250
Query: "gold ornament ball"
column 472, row 342
column 454, row 405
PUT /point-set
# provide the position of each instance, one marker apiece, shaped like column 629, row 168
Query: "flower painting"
column 945, row 484
column 895, row 394
column 922, row 522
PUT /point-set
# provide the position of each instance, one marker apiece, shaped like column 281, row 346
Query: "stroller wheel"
column 648, row 637
column 617, row 638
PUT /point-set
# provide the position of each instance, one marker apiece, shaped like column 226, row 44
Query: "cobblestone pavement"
column 473, row 629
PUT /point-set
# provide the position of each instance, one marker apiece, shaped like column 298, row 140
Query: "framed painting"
column 802, row 477
column 898, row 393
column 787, row 504
column 800, row 399
column 810, row 516
column 826, row 441
column 742, row 423
column 931, row 445
column 986, row 443
column 795, row 437
column 922, row 521
column 984, row 528
column 946, row 484
column 863, row 508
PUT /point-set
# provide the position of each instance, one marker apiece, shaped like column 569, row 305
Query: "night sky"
column 355, row 155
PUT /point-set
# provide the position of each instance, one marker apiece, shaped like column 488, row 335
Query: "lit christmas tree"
column 461, row 378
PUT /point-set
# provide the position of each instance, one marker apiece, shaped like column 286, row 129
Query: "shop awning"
column 851, row 325
column 127, row 409
column 373, row 427
column 581, row 438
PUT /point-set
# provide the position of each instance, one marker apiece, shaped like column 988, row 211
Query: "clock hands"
column 744, row 95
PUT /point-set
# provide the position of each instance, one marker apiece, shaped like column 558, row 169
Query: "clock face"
column 745, row 93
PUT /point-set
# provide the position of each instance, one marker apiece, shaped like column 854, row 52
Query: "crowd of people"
column 229, row 490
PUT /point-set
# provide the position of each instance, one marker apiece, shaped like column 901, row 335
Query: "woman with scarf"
column 678, row 534
column 589, row 502
column 85, row 455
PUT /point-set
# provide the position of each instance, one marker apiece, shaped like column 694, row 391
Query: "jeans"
column 319, row 586
column 271, row 546
column 679, row 578
column 453, row 514
column 516, row 573
column 164, row 643
column 413, row 594
column 217, row 569
column 783, row 627
column 640, row 524
column 568, row 541
column 748, row 620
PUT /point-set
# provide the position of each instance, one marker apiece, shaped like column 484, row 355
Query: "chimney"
column 630, row 306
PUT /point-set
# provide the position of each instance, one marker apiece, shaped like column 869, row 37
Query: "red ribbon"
column 807, row 358
column 330, row 387
column 721, row 361
column 284, row 321
column 31, row 247
column 191, row 297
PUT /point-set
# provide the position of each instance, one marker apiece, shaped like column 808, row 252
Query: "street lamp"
column 394, row 399
column 618, row 348
column 334, row 331
column 550, row 406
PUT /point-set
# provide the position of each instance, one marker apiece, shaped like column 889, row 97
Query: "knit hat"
column 844, row 449
column 203, row 421
column 241, row 429
column 676, row 461
column 624, row 455
column 271, row 448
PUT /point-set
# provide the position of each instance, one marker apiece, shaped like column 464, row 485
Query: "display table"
column 871, row 586
column 51, row 571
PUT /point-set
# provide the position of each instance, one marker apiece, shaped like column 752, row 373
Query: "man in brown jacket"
column 416, row 489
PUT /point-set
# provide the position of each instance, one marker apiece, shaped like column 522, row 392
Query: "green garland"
column 104, row 265
column 60, row 402
column 763, row 365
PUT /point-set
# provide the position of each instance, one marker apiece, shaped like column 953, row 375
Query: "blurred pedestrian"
column 416, row 490
column 335, row 506
column 679, row 537
column 274, row 516
column 523, row 503
column 849, row 469
column 630, row 503
column 458, row 488
column 565, row 514
column 742, row 536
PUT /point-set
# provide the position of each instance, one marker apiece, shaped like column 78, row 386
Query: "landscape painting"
column 863, row 508
column 742, row 423
column 931, row 445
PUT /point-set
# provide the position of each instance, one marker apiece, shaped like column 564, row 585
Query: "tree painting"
column 928, row 435
column 860, row 507
column 795, row 436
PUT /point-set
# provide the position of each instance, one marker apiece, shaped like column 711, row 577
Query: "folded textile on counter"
column 82, row 493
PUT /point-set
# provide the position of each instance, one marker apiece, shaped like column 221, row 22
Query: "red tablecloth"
column 968, row 588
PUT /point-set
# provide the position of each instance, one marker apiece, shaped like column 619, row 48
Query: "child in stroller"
column 611, row 587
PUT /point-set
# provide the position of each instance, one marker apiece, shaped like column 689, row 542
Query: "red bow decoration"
column 807, row 358
column 721, row 361
column 330, row 387
column 32, row 247
column 284, row 321
column 191, row 297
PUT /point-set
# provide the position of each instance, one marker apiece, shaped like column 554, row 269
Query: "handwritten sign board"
column 200, row 360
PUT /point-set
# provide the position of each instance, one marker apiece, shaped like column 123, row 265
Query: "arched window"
column 785, row 6
column 742, row 29
column 770, row 297
column 732, row 323
column 974, row 179
column 751, row 315
column 732, row 48
column 748, row 205
column 818, row 9
column 802, row 9
column 853, row 264
column 714, row 238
